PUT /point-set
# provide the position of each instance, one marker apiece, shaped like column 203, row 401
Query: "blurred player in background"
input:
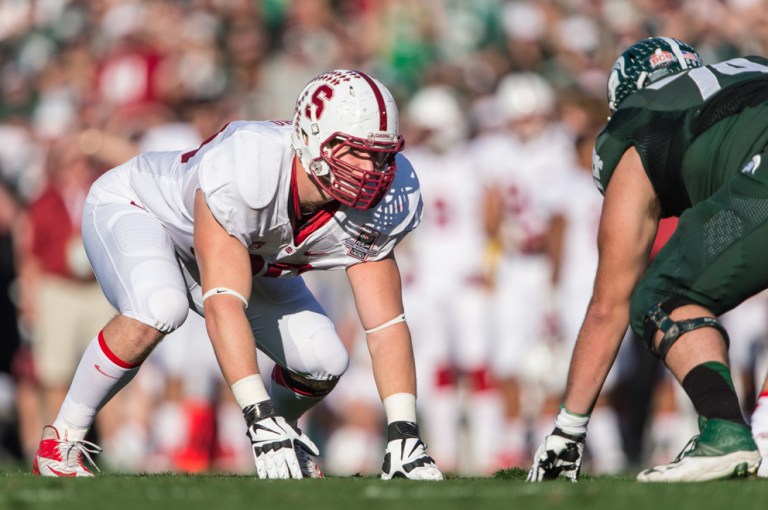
column 214, row 228
column 61, row 301
column 683, row 139
column 446, row 289
column 576, row 267
column 521, row 166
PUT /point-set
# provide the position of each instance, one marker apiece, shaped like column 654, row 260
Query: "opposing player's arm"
column 628, row 225
column 378, row 297
column 627, row 228
column 225, row 265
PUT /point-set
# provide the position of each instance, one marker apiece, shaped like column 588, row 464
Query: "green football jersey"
column 692, row 130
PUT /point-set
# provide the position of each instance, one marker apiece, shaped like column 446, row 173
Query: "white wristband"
column 224, row 290
column 399, row 318
column 575, row 425
column 249, row 391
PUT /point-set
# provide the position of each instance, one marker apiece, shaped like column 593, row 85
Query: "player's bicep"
column 223, row 260
column 628, row 226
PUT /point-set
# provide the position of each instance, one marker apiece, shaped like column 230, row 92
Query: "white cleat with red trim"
column 762, row 445
column 58, row 457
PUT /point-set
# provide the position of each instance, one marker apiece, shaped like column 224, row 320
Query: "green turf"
column 506, row 490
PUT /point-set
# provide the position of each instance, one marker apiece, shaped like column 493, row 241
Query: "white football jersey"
column 247, row 176
column 579, row 249
column 448, row 248
column 526, row 174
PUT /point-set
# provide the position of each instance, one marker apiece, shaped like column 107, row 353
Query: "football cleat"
column 762, row 445
column 62, row 458
column 724, row 449
column 406, row 456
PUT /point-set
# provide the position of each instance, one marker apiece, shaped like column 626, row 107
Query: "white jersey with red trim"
column 448, row 248
column 526, row 175
column 246, row 173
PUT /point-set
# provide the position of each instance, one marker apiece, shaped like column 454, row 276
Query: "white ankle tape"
column 400, row 407
column 223, row 290
column 399, row 318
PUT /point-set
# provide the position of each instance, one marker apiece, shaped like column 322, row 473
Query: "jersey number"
column 707, row 82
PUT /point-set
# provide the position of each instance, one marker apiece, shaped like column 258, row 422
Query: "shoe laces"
column 687, row 448
column 81, row 449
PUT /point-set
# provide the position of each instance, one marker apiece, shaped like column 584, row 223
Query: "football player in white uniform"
column 521, row 166
column 578, row 261
column 446, row 293
column 218, row 229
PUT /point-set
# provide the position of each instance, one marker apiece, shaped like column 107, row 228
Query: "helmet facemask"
column 357, row 172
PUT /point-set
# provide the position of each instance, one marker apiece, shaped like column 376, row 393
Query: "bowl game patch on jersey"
column 361, row 246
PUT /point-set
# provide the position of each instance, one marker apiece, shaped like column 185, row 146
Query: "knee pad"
column 657, row 317
column 312, row 347
column 301, row 384
column 167, row 308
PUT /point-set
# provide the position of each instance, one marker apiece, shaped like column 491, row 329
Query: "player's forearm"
column 392, row 358
column 232, row 339
column 593, row 355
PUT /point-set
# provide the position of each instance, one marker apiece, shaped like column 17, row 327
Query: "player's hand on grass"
column 559, row 455
column 406, row 456
column 274, row 442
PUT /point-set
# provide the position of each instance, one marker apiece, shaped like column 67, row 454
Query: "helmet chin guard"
column 345, row 132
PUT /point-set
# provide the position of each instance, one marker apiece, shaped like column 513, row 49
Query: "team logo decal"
column 322, row 94
column 751, row 165
column 361, row 247
column 661, row 58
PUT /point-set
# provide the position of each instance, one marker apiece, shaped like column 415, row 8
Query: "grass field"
column 19, row 490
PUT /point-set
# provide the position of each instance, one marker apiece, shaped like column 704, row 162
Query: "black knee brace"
column 301, row 384
column 658, row 318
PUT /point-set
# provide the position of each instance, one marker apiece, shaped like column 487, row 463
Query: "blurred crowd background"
column 500, row 101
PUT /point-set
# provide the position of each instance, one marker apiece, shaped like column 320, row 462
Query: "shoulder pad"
column 400, row 209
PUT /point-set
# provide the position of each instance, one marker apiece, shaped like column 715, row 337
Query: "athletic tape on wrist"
column 249, row 391
column 570, row 423
column 399, row 318
column 224, row 290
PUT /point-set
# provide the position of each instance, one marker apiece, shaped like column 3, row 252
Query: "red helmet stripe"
column 379, row 100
